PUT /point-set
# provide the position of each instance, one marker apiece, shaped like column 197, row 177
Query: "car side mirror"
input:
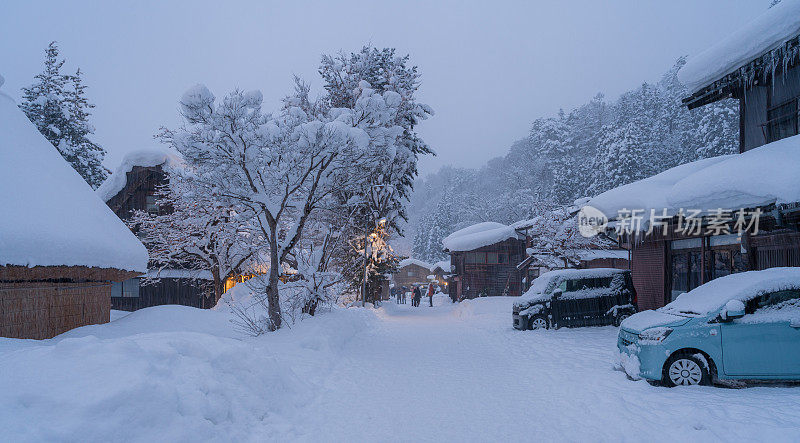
column 733, row 309
column 557, row 293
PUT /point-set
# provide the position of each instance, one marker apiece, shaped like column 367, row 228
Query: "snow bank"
column 51, row 217
column 145, row 158
column 766, row 32
column 758, row 177
column 132, row 384
column 478, row 235
column 414, row 261
column 743, row 286
column 166, row 318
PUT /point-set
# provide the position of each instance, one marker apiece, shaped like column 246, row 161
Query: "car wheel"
column 538, row 322
column 685, row 370
column 620, row 318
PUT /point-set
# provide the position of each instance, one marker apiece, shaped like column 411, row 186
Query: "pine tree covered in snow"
column 58, row 106
column 718, row 129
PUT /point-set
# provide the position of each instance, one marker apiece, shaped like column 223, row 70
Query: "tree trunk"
column 272, row 294
column 219, row 284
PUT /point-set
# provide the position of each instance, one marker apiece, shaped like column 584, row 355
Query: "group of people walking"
column 416, row 295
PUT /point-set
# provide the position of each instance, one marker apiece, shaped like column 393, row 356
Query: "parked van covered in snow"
column 576, row 297
column 742, row 326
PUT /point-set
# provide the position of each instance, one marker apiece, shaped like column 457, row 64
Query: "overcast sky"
column 488, row 67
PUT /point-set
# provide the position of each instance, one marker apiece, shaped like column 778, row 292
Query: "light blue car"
column 741, row 326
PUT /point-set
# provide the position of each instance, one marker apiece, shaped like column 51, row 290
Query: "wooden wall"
column 42, row 310
column 474, row 279
column 616, row 263
column 141, row 182
column 648, row 271
column 168, row 291
column 420, row 275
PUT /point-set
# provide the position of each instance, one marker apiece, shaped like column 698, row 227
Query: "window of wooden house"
column 491, row 257
column 127, row 288
column 410, row 273
column 480, row 258
column 470, row 258
column 150, row 204
column 685, row 261
column 502, row 258
column 782, row 121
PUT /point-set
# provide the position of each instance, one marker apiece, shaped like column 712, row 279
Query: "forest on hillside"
column 583, row 152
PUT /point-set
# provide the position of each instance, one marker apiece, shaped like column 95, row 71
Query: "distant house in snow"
column 760, row 66
column 133, row 187
column 410, row 272
column 441, row 272
column 484, row 259
column 61, row 248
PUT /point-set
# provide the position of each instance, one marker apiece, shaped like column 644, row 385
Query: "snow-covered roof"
column 180, row 273
column 478, row 235
column 413, row 261
column 51, row 217
column 145, row 158
column 743, row 286
column 758, row 177
column 444, row 265
column 596, row 254
column 766, row 32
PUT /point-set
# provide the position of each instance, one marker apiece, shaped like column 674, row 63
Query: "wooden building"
column 133, row 187
column 61, row 248
column 411, row 272
column 761, row 70
column 484, row 259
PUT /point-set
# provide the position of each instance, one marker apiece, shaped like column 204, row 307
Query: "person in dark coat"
column 417, row 296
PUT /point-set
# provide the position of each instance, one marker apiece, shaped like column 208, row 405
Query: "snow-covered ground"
column 447, row 373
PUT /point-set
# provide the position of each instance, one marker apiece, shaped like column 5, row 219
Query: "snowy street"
column 448, row 373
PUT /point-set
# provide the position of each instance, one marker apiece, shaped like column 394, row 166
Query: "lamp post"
column 382, row 221
column 367, row 235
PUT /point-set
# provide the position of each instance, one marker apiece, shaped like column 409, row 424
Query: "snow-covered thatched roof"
column 477, row 236
column 444, row 265
column 766, row 32
column 145, row 157
column 413, row 261
column 759, row 177
column 51, row 217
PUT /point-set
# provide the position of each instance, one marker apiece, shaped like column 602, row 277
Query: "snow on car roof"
column 743, row 286
column 51, row 216
column 540, row 284
column 478, row 235
column 144, row 157
column 766, row 32
column 758, row 177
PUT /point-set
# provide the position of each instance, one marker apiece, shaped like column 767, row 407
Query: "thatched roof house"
column 133, row 186
column 60, row 246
